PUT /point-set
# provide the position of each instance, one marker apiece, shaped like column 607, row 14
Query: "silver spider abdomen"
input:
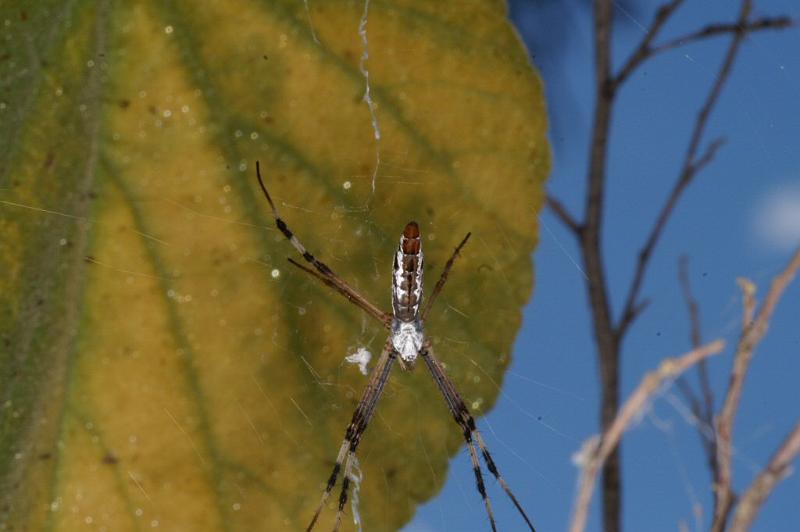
column 407, row 275
column 407, row 336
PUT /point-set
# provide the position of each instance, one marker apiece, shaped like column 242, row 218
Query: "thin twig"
column 647, row 51
column 777, row 469
column 651, row 383
column 714, row 30
column 643, row 52
column 561, row 212
column 753, row 332
column 748, row 289
column 692, row 164
column 703, row 410
column 695, row 336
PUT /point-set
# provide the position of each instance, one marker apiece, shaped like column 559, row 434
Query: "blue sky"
column 741, row 217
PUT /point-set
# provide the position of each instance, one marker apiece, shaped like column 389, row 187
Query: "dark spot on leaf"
column 110, row 459
column 44, row 456
column 124, row 104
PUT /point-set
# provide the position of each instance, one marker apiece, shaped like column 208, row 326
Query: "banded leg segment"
column 465, row 420
column 348, row 465
column 443, row 278
column 369, row 309
column 476, row 468
column 358, row 424
column 325, row 273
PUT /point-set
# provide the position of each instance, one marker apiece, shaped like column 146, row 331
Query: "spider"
column 405, row 343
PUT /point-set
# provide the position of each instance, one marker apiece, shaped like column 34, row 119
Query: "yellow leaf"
column 161, row 363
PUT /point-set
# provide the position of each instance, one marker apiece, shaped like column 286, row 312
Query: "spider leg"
column 476, row 468
column 443, row 278
column 323, row 269
column 369, row 309
column 493, row 470
column 465, row 420
column 345, row 486
column 331, row 483
column 358, row 424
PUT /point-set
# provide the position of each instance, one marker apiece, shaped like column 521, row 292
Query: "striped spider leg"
column 325, row 273
column 406, row 341
column 465, row 420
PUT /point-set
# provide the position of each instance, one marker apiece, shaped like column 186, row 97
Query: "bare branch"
column 708, row 155
column 702, row 411
column 777, row 469
column 644, row 51
column 691, row 165
column 566, row 218
column 597, row 288
column 691, row 302
column 752, row 333
column 608, row 332
column 748, row 301
column 714, row 30
column 696, row 337
column 651, row 383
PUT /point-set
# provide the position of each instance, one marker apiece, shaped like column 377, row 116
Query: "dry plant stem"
column 691, row 303
column 752, row 333
column 651, row 383
column 647, row 51
column 566, row 218
column 643, row 52
column 777, row 469
column 703, row 410
column 609, row 333
column 607, row 342
column 766, row 23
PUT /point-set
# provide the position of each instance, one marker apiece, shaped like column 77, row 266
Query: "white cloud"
column 777, row 218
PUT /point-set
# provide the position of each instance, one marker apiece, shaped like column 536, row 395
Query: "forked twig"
column 600, row 450
column 777, row 469
column 609, row 332
column 753, row 331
